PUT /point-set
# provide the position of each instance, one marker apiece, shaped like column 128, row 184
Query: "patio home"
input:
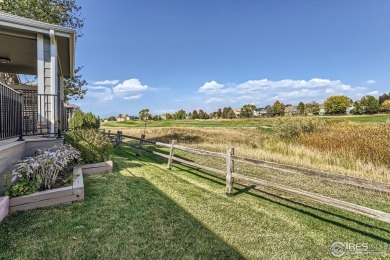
column 45, row 51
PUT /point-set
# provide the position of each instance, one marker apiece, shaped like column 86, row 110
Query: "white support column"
column 54, row 80
column 40, row 75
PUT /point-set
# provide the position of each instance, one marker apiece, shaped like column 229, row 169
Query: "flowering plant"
column 41, row 172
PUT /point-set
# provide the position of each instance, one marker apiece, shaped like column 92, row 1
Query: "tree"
column 127, row 115
column 168, row 116
column 112, row 118
column 268, row 108
column 231, row 114
column 195, row 115
column 120, row 116
column 358, row 109
column 219, row 113
column 144, row 114
column 247, row 111
column 181, row 114
column 73, row 86
column 312, row 108
column 84, row 120
column 337, row 104
column 226, row 111
column 301, row 108
column 370, row 104
column 384, row 97
column 201, row 114
column 278, row 108
column 386, row 106
column 60, row 12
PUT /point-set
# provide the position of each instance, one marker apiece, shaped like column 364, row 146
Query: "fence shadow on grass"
column 121, row 217
column 282, row 201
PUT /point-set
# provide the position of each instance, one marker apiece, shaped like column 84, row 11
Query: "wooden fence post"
column 169, row 166
column 229, row 172
column 117, row 140
column 138, row 153
column 109, row 135
column 120, row 138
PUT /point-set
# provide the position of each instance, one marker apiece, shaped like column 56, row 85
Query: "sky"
column 207, row 54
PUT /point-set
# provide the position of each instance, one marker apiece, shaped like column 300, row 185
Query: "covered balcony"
column 45, row 52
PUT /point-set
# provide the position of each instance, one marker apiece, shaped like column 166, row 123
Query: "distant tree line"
column 333, row 105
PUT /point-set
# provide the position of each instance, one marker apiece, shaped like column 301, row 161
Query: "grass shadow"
column 290, row 204
column 121, row 216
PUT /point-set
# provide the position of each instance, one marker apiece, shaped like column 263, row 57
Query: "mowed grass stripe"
column 310, row 226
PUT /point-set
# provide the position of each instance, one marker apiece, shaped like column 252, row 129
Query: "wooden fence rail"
column 230, row 175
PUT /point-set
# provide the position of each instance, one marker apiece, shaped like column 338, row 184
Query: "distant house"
column 322, row 110
column 290, row 110
column 262, row 111
column 70, row 109
column 120, row 119
column 256, row 113
column 237, row 112
column 349, row 109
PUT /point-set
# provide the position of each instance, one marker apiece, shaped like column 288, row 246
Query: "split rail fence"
column 232, row 176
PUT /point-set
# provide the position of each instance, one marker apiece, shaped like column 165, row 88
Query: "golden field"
column 354, row 149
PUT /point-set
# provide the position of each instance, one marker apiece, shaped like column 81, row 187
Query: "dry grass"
column 369, row 143
column 257, row 144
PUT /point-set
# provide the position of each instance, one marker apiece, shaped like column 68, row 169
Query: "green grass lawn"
column 144, row 211
column 258, row 122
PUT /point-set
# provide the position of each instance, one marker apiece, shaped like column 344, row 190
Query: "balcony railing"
column 25, row 112
column 10, row 112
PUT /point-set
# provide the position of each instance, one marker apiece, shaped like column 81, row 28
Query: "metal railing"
column 10, row 112
column 25, row 112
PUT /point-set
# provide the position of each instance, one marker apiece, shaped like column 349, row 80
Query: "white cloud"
column 265, row 91
column 128, row 89
column 370, row 81
column 211, row 87
column 106, row 82
column 101, row 93
column 133, row 97
column 96, row 88
column 130, row 85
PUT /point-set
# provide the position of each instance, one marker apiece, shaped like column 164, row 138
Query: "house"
column 120, row 119
column 34, row 48
column 70, row 109
column 290, row 110
column 237, row 112
column 261, row 112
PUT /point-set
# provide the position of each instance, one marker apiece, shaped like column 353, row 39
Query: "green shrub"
column 84, row 121
column 293, row 127
column 50, row 168
column 94, row 146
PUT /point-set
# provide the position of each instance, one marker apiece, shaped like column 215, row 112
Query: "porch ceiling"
column 21, row 51
column 18, row 42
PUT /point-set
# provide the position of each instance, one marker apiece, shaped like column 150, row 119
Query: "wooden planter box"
column 48, row 198
column 96, row 168
column 4, row 207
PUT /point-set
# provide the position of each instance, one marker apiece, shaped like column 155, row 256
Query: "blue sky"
column 173, row 54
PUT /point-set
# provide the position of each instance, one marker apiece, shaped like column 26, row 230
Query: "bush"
column 94, row 146
column 82, row 120
column 44, row 171
column 293, row 127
